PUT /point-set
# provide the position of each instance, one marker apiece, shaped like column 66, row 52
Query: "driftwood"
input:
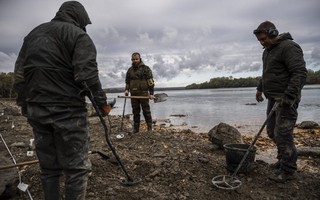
column 308, row 151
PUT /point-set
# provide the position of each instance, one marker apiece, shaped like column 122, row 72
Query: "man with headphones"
column 283, row 77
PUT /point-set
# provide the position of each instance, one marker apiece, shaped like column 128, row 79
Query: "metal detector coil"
column 226, row 182
column 120, row 136
column 130, row 182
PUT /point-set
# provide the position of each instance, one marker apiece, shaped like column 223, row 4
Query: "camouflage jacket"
column 139, row 80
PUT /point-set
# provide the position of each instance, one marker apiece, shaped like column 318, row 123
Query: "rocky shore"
column 171, row 163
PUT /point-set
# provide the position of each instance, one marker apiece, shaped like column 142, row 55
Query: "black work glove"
column 106, row 108
column 259, row 97
column 24, row 111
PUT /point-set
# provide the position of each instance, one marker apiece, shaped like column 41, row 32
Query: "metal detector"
column 230, row 182
column 120, row 134
column 129, row 180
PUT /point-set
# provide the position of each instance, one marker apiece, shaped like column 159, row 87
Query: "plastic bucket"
column 234, row 155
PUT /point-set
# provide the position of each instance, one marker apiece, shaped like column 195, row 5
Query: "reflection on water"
column 204, row 109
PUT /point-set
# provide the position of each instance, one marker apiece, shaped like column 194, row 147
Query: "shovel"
column 158, row 97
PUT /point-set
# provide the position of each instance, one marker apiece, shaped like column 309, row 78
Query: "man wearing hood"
column 283, row 77
column 55, row 60
column 139, row 82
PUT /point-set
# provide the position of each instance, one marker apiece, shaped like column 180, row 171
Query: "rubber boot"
column 76, row 188
column 51, row 188
column 77, row 194
column 149, row 125
column 136, row 127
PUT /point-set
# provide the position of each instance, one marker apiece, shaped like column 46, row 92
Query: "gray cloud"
column 182, row 41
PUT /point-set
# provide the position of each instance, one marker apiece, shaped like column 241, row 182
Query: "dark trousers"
column 280, row 128
column 61, row 141
column 137, row 105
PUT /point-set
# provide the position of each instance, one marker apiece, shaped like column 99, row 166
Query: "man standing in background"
column 55, row 61
column 283, row 77
column 139, row 82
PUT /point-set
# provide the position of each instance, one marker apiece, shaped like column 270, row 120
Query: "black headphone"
column 272, row 32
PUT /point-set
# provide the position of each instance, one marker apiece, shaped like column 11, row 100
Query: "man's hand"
column 126, row 92
column 151, row 97
column 259, row 97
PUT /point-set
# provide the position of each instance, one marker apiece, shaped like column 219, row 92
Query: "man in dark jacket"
column 284, row 75
column 55, row 60
column 139, row 82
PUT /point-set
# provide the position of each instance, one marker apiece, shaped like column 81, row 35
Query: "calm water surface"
column 204, row 109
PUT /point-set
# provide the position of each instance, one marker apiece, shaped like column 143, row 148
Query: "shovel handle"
column 134, row 97
column 19, row 164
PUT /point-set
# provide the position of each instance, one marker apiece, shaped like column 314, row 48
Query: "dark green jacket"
column 284, row 70
column 55, row 58
column 139, row 80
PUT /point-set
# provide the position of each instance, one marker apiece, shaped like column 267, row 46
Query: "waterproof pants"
column 137, row 105
column 280, row 129
column 61, row 141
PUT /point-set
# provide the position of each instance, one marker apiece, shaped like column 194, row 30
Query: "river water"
column 203, row 109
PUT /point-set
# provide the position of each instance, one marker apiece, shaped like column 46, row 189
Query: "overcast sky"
column 183, row 41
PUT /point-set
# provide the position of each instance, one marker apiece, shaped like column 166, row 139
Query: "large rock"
column 308, row 125
column 224, row 134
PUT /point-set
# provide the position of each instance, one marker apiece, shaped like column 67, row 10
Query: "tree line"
column 230, row 82
column 6, row 83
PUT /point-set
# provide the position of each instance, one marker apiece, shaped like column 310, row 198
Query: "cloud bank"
column 183, row 41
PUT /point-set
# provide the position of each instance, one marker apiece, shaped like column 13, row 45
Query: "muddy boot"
column 136, row 127
column 76, row 194
column 149, row 128
column 51, row 188
column 275, row 165
column 76, row 185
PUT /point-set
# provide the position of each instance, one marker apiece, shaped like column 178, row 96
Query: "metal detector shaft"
column 124, row 108
column 90, row 96
column 274, row 108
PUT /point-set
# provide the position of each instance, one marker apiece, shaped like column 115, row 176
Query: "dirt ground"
column 171, row 163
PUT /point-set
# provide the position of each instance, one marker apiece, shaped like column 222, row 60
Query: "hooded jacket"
column 55, row 58
column 284, row 70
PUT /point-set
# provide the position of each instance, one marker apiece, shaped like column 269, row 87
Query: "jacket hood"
column 285, row 36
column 73, row 12
column 281, row 37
